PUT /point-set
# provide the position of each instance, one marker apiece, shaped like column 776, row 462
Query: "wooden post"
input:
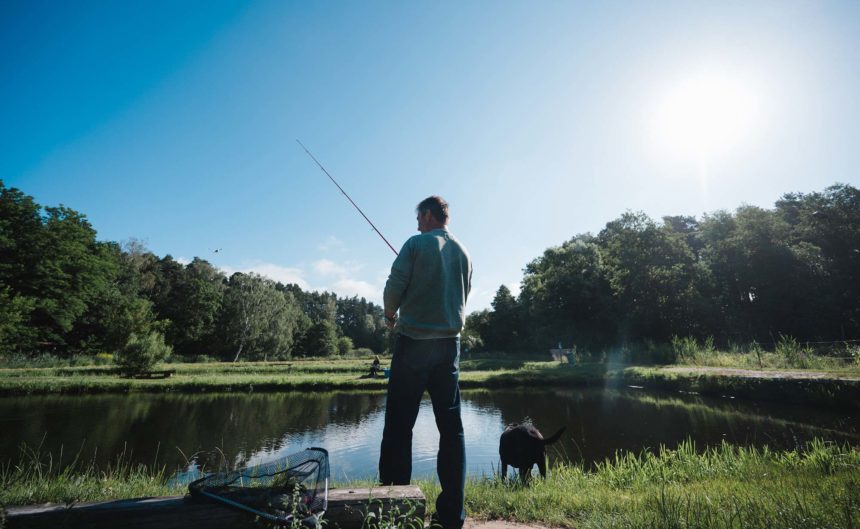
column 347, row 509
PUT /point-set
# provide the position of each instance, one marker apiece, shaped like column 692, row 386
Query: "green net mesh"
column 289, row 488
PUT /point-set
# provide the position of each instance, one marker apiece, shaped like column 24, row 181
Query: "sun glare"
column 704, row 116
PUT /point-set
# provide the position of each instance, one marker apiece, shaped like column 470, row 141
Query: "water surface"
column 178, row 430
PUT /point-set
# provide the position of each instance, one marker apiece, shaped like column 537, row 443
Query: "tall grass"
column 39, row 477
column 787, row 353
column 50, row 360
column 723, row 487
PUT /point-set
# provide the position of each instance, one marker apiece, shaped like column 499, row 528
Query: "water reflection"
column 175, row 430
column 599, row 423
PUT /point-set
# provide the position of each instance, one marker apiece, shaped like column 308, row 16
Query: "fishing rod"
column 347, row 196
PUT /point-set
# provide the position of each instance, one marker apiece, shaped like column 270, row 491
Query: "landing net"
column 282, row 491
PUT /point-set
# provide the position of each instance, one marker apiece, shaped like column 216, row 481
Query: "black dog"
column 522, row 446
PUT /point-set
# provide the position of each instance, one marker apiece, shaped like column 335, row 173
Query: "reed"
column 40, row 477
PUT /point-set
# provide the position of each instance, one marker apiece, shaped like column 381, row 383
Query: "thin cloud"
column 343, row 281
column 356, row 287
column 331, row 243
column 327, row 267
column 281, row 274
column 341, row 278
column 484, row 292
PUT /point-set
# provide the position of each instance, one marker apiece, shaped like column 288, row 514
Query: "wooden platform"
column 347, row 509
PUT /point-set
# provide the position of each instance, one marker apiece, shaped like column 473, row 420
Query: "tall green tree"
column 507, row 328
column 653, row 276
column 362, row 322
column 320, row 340
column 825, row 230
column 54, row 269
column 476, row 327
column 765, row 285
column 190, row 298
column 257, row 318
column 115, row 310
column 14, row 315
column 567, row 297
column 21, row 246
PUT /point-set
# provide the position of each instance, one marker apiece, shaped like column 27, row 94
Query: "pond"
column 180, row 430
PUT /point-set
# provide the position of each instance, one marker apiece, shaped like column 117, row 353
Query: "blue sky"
column 175, row 122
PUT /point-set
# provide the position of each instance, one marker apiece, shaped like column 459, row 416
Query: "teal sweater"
column 429, row 282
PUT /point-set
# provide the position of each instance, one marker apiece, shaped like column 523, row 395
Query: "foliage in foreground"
column 40, row 478
column 723, row 487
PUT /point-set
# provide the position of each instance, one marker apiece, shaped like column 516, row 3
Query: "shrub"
column 320, row 340
column 646, row 351
column 103, row 359
column 795, row 354
column 684, row 348
column 853, row 353
column 201, row 359
column 142, row 352
column 344, row 345
column 362, row 352
column 688, row 349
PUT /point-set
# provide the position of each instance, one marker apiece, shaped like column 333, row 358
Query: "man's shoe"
column 434, row 523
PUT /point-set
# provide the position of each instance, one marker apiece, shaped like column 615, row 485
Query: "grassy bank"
column 786, row 353
column 725, row 487
column 831, row 388
column 213, row 376
column 835, row 390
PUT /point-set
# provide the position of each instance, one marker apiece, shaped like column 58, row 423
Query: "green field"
column 838, row 387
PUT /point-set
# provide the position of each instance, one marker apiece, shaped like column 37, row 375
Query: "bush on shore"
column 142, row 352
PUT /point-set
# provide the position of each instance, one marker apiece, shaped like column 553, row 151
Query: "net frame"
column 301, row 478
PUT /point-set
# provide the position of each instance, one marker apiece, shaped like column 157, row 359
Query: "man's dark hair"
column 435, row 205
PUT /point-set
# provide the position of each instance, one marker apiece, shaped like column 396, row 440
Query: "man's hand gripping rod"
column 347, row 196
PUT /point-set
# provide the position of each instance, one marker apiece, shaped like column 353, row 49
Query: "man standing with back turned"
column 429, row 282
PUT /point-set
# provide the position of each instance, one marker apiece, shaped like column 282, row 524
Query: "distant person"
column 429, row 283
column 375, row 367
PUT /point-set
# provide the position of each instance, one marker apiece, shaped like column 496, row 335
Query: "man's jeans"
column 433, row 365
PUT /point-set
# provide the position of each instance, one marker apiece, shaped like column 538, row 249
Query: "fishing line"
column 347, row 196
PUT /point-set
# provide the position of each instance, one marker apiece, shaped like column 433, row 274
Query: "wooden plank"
column 347, row 509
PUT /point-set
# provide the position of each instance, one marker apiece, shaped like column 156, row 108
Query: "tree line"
column 754, row 274
column 750, row 275
column 64, row 292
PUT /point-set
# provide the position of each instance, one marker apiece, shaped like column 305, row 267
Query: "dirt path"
column 752, row 373
column 498, row 524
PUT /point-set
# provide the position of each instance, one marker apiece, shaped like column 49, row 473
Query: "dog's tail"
column 555, row 437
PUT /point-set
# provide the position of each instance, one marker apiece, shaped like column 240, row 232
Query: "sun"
column 705, row 115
